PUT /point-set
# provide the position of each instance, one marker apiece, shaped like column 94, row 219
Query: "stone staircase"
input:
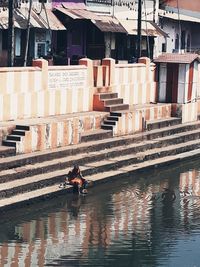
column 34, row 176
column 15, row 136
column 110, row 102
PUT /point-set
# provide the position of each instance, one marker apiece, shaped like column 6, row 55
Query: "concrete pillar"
column 43, row 64
column 90, row 72
column 147, row 62
column 111, row 65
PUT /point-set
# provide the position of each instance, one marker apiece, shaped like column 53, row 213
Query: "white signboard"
column 67, row 79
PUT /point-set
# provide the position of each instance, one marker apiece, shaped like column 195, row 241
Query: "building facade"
column 180, row 20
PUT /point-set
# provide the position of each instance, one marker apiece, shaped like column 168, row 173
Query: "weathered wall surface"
column 58, row 132
column 40, row 91
column 188, row 112
column 134, row 121
column 135, row 83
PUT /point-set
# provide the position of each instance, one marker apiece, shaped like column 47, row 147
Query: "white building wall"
column 162, row 82
column 171, row 27
column 195, row 81
column 181, row 83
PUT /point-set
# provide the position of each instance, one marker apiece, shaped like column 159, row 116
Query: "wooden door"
column 190, row 84
column 172, row 83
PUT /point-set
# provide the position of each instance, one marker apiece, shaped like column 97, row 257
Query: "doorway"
column 172, row 83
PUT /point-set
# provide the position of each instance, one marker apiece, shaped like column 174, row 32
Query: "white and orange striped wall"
column 58, row 132
column 188, row 112
column 134, row 121
column 29, row 92
column 135, row 83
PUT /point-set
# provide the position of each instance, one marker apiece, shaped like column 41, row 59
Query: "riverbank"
column 36, row 176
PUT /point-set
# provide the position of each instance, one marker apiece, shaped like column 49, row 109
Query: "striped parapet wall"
column 188, row 112
column 44, row 103
column 51, row 133
column 135, row 120
column 135, row 83
column 42, row 90
column 198, row 106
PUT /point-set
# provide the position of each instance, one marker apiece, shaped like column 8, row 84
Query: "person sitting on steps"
column 76, row 179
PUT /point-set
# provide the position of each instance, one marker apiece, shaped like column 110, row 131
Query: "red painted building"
column 193, row 5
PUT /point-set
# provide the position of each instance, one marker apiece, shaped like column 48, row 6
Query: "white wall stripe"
column 86, row 96
column 27, row 105
column 144, row 88
column 34, row 136
column 127, row 94
column 60, row 128
column 10, row 82
column 13, row 103
column 1, row 108
column 151, row 113
column 126, row 76
column 137, row 125
column 123, row 123
column 52, row 102
column 24, row 81
column 130, row 122
column 63, row 105
column 37, row 81
column 40, row 103
column 143, row 73
column 75, row 103
column 135, row 93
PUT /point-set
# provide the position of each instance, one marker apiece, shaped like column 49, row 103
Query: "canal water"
column 148, row 219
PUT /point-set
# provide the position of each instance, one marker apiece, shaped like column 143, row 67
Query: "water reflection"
column 139, row 221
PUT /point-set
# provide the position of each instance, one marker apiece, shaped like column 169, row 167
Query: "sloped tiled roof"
column 186, row 58
column 37, row 20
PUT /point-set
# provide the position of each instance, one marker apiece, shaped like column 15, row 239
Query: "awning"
column 78, row 13
column 109, row 24
column 147, row 28
column 104, row 23
column 37, row 20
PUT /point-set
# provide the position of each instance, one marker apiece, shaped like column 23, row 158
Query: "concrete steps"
column 109, row 102
column 22, row 199
column 26, row 174
column 15, row 136
column 7, row 152
column 94, row 135
column 116, row 107
column 152, row 125
column 110, row 143
column 34, row 182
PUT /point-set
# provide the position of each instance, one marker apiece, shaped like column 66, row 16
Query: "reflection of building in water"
column 190, row 182
column 64, row 235
column 189, row 194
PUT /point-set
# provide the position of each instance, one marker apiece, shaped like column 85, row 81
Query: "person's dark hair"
column 76, row 167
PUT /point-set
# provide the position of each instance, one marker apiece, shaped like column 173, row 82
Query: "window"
column 177, row 42
column 183, row 40
column 164, row 47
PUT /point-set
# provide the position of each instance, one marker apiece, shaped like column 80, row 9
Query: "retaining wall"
column 135, row 121
column 53, row 133
column 188, row 112
column 135, row 83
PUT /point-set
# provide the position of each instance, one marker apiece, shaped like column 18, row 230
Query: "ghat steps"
column 37, row 175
